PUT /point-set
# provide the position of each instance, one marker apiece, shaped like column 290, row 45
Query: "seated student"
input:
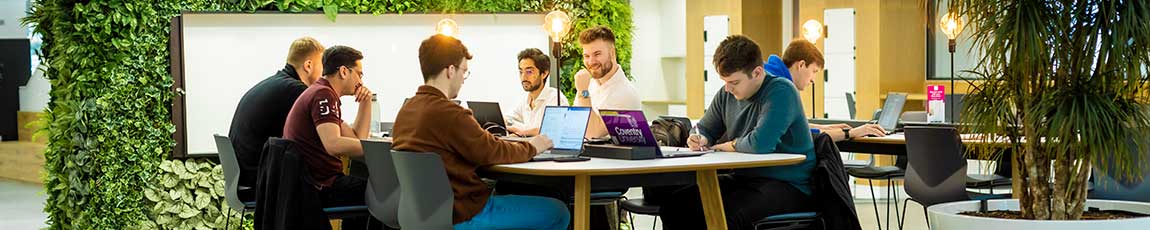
column 316, row 126
column 801, row 62
column 430, row 122
column 264, row 108
column 601, row 84
column 754, row 113
column 534, row 69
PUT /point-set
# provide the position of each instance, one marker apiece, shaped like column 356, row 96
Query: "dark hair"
column 338, row 56
column 737, row 53
column 438, row 52
column 542, row 62
column 803, row 50
column 595, row 33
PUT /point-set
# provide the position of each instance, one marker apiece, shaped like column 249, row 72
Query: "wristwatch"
column 585, row 93
column 846, row 133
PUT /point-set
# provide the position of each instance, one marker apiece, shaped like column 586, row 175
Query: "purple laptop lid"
column 628, row 127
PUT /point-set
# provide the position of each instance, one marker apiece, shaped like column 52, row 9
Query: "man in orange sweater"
column 430, row 122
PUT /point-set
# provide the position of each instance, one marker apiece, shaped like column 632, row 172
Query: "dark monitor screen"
column 15, row 61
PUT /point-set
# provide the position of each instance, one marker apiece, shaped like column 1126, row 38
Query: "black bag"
column 670, row 132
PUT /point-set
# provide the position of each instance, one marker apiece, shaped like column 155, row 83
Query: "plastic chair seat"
column 639, row 206
column 792, row 216
column 851, row 164
column 346, row 211
column 986, row 180
column 876, row 172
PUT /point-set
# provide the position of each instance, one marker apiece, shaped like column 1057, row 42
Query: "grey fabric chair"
column 936, row 168
column 382, row 194
column 1109, row 186
column 425, row 192
column 231, row 179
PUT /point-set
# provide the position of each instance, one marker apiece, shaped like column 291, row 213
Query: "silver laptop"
column 566, row 127
column 891, row 110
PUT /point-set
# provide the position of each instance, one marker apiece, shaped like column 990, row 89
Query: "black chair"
column 382, row 193
column 936, row 169
column 888, row 173
column 639, row 206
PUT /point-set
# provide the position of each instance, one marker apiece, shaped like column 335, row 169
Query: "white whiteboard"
column 226, row 54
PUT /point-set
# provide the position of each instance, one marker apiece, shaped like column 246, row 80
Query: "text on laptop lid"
column 628, row 127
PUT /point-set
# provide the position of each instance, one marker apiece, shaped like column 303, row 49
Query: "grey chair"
column 231, row 179
column 425, row 192
column 1109, row 186
column 936, row 168
column 382, row 194
column 851, row 105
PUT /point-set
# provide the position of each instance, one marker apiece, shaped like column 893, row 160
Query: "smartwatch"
column 585, row 93
column 846, row 133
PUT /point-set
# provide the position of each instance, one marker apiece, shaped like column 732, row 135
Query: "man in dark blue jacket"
column 801, row 63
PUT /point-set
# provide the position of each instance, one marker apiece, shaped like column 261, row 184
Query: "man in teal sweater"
column 754, row 113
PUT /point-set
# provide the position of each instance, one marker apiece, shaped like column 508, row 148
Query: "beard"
column 527, row 86
column 603, row 70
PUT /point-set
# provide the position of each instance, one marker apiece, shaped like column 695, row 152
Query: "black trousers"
column 348, row 191
column 746, row 200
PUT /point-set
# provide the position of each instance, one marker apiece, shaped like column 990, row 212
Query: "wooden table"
column 705, row 168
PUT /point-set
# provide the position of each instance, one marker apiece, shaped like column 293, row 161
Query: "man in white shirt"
column 609, row 88
column 533, row 72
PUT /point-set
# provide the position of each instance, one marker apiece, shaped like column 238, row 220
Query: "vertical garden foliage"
column 109, row 119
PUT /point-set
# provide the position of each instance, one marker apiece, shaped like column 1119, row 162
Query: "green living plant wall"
column 108, row 118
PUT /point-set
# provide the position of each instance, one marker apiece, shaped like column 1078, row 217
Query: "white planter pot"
column 945, row 217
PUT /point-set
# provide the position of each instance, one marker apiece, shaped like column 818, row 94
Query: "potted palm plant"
column 1064, row 84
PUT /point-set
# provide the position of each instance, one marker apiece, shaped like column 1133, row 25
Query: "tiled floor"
column 914, row 221
column 21, row 205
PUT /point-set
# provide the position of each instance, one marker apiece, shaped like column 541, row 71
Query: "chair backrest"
column 1109, row 185
column 382, row 194
column 851, row 105
column 936, row 169
column 955, row 100
column 426, row 198
column 231, row 172
column 913, row 116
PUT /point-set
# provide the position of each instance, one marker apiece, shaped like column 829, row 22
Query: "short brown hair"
column 737, row 53
column 302, row 49
column 803, row 50
column 596, row 33
column 438, row 52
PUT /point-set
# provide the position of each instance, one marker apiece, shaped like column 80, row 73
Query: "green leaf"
column 151, row 195
column 331, row 10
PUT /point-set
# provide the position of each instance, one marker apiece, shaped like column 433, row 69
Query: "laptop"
column 630, row 128
column 489, row 116
column 565, row 126
column 891, row 110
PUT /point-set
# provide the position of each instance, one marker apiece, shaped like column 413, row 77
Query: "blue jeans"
column 520, row 212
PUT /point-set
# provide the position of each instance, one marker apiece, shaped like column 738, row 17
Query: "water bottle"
column 375, row 125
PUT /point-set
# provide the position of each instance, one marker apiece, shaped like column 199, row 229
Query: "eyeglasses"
column 358, row 72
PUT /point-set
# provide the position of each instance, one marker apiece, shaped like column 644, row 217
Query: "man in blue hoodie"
column 801, row 62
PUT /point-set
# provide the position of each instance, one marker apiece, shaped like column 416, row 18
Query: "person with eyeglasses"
column 534, row 69
column 321, row 136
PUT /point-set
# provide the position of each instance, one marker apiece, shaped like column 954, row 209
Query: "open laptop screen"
column 628, row 127
column 891, row 110
column 565, row 126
